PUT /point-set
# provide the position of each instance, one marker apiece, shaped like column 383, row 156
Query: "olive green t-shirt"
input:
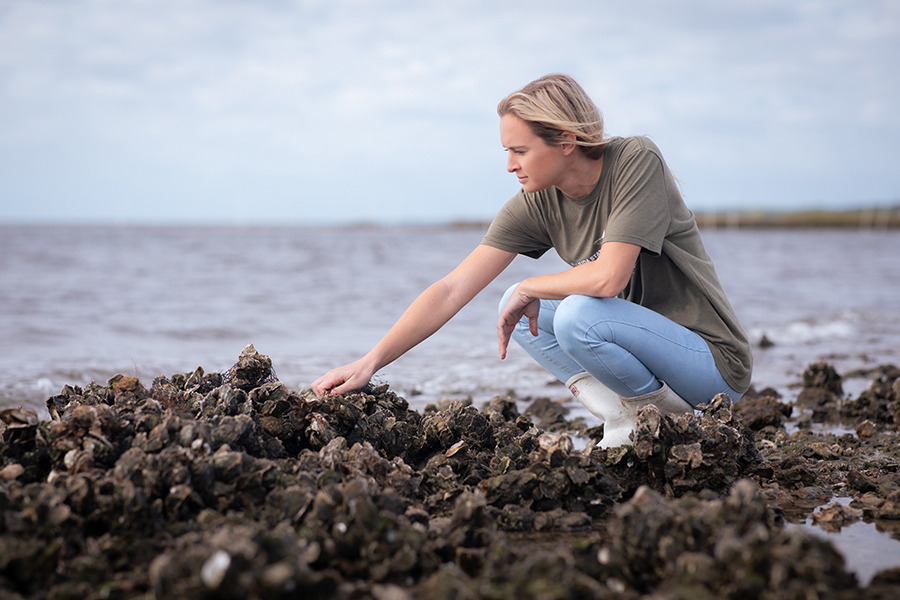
column 636, row 200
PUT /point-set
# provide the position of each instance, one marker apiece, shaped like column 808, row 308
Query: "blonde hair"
column 555, row 104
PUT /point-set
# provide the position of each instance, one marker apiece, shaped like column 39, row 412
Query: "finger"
column 503, row 335
column 326, row 384
column 533, row 326
column 345, row 387
column 321, row 390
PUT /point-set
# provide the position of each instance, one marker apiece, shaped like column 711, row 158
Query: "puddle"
column 867, row 546
column 837, row 429
column 866, row 549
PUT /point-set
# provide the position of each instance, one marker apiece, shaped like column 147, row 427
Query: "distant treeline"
column 866, row 218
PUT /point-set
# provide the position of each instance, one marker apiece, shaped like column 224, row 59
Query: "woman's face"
column 535, row 163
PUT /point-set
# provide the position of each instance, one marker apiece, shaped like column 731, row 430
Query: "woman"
column 639, row 319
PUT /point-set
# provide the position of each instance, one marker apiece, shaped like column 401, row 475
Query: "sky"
column 384, row 111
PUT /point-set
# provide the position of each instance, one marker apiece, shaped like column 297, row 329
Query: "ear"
column 568, row 146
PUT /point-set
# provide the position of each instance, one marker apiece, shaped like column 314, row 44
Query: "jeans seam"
column 653, row 332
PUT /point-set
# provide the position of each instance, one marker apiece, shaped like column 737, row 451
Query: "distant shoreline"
column 864, row 219
column 867, row 219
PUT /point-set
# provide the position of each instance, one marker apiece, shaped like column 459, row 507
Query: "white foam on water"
column 317, row 299
column 805, row 332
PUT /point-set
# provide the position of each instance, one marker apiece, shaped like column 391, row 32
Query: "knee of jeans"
column 506, row 296
column 574, row 315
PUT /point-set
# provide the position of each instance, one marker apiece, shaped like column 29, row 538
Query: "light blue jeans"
column 626, row 347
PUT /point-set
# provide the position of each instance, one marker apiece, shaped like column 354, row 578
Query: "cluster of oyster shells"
column 231, row 485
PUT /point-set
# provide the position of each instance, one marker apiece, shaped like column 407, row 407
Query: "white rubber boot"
column 604, row 404
column 667, row 401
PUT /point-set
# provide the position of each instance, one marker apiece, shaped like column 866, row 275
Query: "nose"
column 511, row 164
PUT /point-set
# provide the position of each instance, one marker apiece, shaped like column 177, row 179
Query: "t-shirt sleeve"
column 640, row 212
column 516, row 228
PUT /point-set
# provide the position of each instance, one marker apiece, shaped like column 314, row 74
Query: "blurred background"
column 181, row 178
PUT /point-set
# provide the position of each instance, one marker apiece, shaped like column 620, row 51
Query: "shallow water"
column 83, row 303
column 868, row 547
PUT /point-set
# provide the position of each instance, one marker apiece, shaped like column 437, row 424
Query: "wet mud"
column 231, row 485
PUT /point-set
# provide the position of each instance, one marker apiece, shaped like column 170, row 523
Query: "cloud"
column 387, row 107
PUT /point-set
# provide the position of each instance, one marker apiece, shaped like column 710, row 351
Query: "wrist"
column 525, row 289
column 367, row 363
column 370, row 363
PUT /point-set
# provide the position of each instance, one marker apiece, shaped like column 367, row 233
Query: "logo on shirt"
column 599, row 244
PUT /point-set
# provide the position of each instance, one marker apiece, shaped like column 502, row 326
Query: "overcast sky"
column 315, row 111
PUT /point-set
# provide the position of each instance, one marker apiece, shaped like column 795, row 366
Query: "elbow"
column 607, row 292
column 619, row 286
column 609, row 288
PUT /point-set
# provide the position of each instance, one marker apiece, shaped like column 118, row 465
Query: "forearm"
column 604, row 277
column 573, row 282
column 428, row 313
column 557, row 286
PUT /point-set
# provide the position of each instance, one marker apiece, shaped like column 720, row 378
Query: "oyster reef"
column 231, row 485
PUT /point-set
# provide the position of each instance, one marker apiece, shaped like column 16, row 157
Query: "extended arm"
column 428, row 313
column 604, row 277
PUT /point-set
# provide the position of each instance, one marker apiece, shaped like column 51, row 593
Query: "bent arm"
column 604, row 277
column 428, row 313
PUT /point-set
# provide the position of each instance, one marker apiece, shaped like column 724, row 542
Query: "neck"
column 582, row 177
